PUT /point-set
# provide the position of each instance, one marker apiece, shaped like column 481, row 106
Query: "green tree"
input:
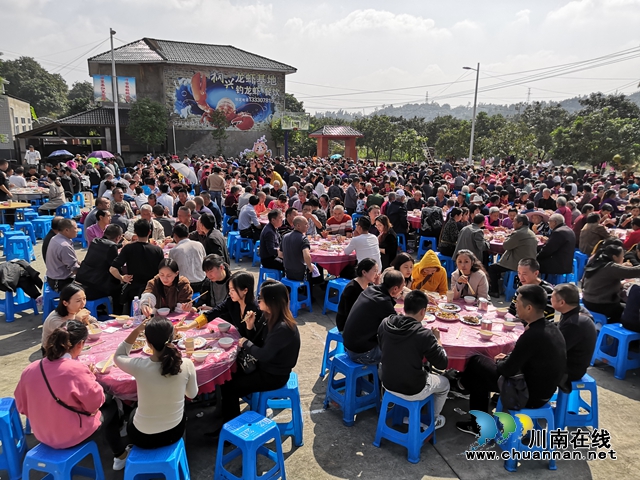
column 219, row 122
column 618, row 105
column 453, row 141
column 544, row 119
column 148, row 122
column 438, row 125
column 46, row 92
column 292, row 104
column 410, row 144
column 513, row 138
column 379, row 133
column 82, row 90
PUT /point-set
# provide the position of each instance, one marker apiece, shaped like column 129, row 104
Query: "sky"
column 362, row 55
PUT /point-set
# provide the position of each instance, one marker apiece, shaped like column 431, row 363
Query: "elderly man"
column 351, row 196
column 295, row 250
column 118, row 197
column 339, row 223
column 189, row 255
column 431, row 219
column 184, row 217
column 62, row 262
column 157, row 230
column 546, row 202
column 472, row 238
column 556, row 256
column 565, row 211
column 416, row 202
column 101, row 204
column 397, row 213
column 522, row 243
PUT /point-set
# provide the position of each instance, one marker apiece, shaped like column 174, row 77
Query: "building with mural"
column 194, row 80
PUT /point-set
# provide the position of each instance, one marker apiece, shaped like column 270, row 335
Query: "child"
column 361, row 203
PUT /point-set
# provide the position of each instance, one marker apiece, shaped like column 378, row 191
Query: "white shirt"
column 166, row 200
column 365, row 246
column 32, row 158
column 189, row 255
column 18, row 181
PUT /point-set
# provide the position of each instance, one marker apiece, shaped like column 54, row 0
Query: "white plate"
column 428, row 318
column 449, row 307
column 198, row 343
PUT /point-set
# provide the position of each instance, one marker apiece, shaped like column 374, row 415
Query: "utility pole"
column 114, row 86
column 473, row 119
column 426, row 100
column 529, row 95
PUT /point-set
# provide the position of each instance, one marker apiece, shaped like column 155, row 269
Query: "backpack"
column 432, row 221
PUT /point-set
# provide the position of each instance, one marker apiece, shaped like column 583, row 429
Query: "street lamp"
column 473, row 120
column 114, row 86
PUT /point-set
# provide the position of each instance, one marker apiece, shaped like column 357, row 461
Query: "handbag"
column 247, row 362
column 514, row 392
column 60, row 402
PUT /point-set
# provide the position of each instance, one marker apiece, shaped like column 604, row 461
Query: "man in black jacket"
column 94, row 273
column 540, row 354
column 376, row 303
column 404, row 343
column 397, row 211
column 578, row 329
column 556, row 256
column 210, row 237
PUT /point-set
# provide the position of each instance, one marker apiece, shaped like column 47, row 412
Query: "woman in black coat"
column 387, row 241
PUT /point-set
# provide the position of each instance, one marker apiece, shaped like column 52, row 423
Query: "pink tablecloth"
column 414, row 220
column 333, row 261
column 497, row 246
column 460, row 348
column 215, row 370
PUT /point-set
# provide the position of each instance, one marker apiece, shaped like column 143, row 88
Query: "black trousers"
column 58, row 285
column 480, row 378
column 274, row 263
column 243, row 384
column 155, row 440
column 495, row 271
column 110, row 427
column 252, row 232
column 613, row 311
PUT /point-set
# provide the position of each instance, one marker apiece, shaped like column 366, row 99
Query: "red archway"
column 337, row 132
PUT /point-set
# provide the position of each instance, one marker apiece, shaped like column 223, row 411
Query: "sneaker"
column 119, row 462
column 457, row 390
column 468, row 426
column 440, row 421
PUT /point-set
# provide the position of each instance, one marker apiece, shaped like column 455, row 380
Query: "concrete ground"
column 333, row 451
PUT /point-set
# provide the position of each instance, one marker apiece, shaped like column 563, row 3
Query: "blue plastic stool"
column 95, row 189
column 509, row 285
column 170, row 462
column 35, row 202
column 423, row 245
column 256, row 254
column 80, row 237
column 14, row 443
column 333, row 335
column 30, row 216
column 63, row 464
column 600, row 319
column 18, row 303
column 232, row 237
column 617, row 354
column 354, row 219
column 346, row 392
column 296, row 301
column 41, row 226
column 8, row 234
column 447, row 262
column 78, row 199
column 20, row 214
column 543, row 413
column 558, row 278
column 331, row 302
column 50, row 299
column 243, row 248
column 287, row 397
column 581, row 261
column 414, row 438
column 568, row 405
column 268, row 273
column 92, row 306
column 402, row 241
column 249, row 433
column 226, row 228
column 19, row 247
column 68, row 210
column 27, row 228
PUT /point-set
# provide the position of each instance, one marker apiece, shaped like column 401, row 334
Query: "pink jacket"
column 566, row 213
column 74, row 384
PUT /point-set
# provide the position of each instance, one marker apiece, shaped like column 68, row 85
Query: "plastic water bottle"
column 137, row 315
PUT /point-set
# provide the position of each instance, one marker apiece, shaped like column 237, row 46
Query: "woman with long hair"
column 367, row 273
column 470, row 277
column 601, row 287
column 62, row 399
column 450, row 232
column 167, row 290
column 70, row 307
column 56, row 195
column 162, row 380
column 387, row 241
column 404, row 263
column 275, row 359
column 236, row 308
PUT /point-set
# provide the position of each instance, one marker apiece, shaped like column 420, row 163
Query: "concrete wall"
column 10, row 110
column 149, row 77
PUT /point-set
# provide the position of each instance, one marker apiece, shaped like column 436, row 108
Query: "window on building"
column 17, row 129
column 24, row 120
column 17, row 120
column 24, row 128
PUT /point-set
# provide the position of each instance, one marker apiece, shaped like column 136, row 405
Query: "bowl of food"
column 94, row 332
column 469, row 299
column 122, row 320
column 224, row 327
column 508, row 326
column 502, row 312
column 100, row 366
column 474, row 319
column 199, row 357
column 485, row 335
column 449, row 307
column 226, row 343
column 163, row 312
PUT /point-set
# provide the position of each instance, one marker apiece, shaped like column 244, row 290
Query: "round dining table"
column 413, row 218
column 215, row 370
column 462, row 341
column 329, row 254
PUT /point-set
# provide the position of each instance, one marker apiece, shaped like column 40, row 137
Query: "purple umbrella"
column 101, row 154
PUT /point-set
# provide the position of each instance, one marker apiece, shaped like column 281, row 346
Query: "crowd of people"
column 155, row 237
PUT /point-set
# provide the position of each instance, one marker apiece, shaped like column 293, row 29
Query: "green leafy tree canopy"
column 148, row 122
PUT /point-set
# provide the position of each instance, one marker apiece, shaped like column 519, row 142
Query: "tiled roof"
column 336, row 131
column 149, row 50
column 99, row 117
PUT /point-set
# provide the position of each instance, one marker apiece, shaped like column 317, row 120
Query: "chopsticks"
column 198, row 297
column 87, row 347
column 468, row 284
column 108, row 362
column 459, row 332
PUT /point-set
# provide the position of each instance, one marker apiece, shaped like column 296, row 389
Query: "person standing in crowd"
column 270, row 254
column 351, row 197
column 387, row 241
column 215, row 185
column 404, row 346
column 32, row 157
column 189, row 255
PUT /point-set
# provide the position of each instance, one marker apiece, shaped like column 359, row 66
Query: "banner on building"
column 126, row 89
column 248, row 101
column 103, row 91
